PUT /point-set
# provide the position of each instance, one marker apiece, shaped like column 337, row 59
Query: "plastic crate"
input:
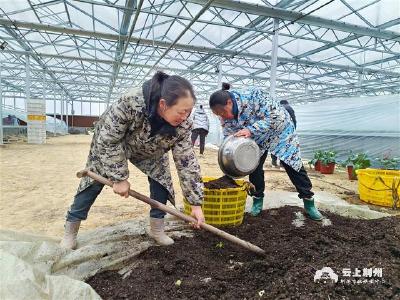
column 222, row 207
column 379, row 187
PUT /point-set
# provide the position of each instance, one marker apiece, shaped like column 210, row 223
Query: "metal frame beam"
column 198, row 49
column 298, row 17
column 112, row 61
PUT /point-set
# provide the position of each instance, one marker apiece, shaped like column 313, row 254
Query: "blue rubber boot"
column 257, row 206
column 311, row 211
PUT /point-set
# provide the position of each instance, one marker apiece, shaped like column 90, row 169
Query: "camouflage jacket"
column 123, row 133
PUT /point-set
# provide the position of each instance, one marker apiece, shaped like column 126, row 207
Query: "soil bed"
column 209, row 268
column 223, row 182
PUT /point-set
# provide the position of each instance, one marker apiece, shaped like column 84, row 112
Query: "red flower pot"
column 351, row 173
column 327, row 169
column 317, row 165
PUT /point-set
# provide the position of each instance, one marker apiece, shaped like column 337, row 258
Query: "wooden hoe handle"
column 176, row 213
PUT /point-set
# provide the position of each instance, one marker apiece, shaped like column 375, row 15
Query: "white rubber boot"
column 157, row 232
column 71, row 231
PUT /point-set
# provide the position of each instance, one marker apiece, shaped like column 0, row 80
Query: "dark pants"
column 299, row 179
column 203, row 133
column 159, row 193
column 83, row 201
column 257, row 177
column 274, row 160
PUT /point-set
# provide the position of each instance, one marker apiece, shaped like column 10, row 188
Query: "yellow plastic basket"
column 379, row 187
column 223, row 207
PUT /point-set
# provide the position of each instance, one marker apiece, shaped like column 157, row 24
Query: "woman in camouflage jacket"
column 142, row 126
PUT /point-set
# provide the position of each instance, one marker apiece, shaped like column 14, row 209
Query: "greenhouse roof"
column 94, row 50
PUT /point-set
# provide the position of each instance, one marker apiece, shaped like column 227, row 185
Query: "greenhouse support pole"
column 72, row 113
column 44, row 97
column 54, row 115
column 1, row 108
column 274, row 60
column 219, row 139
column 66, row 113
column 27, row 82
column 62, row 111
column 44, row 86
column 219, row 76
column 306, row 88
column 360, row 83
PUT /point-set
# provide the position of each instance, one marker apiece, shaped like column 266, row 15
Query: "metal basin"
column 238, row 156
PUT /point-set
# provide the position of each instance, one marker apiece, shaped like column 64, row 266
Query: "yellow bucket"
column 223, row 207
column 379, row 187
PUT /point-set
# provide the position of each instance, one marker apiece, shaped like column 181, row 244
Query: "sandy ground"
column 38, row 183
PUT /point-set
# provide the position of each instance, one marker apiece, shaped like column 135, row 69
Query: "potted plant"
column 316, row 161
column 328, row 160
column 355, row 162
column 388, row 163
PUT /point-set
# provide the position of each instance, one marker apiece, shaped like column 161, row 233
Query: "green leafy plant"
column 358, row 160
column 219, row 245
column 317, row 157
column 388, row 163
column 328, row 157
column 178, row 283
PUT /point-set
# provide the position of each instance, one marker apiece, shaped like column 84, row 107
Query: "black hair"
column 284, row 102
column 221, row 96
column 168, row 87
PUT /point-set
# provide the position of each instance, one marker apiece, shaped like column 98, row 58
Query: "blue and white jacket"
column 269, row 122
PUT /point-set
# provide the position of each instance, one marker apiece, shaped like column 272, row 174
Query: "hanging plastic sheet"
column 361, row 124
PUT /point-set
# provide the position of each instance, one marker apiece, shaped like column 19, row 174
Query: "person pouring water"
column 251, row 113
column 142, row 127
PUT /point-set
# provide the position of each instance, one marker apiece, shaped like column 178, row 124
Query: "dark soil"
column 223, row 182
column 210, row 268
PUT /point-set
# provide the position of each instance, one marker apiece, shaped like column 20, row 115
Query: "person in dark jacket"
column 290, row 110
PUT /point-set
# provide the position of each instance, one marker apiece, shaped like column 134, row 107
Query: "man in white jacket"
column 200, row 127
